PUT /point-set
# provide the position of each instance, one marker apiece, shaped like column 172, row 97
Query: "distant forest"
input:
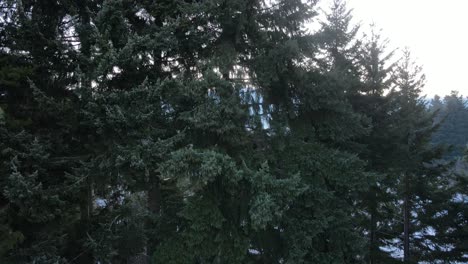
column 222, row 131
column 452, row 119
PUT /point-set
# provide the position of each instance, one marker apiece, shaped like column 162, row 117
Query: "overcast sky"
column 435, row 31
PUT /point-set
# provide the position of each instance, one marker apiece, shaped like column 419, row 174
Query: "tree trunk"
column 373, row 247
column 154, row 197
column 406, row 221
column 86, row 207
column 154, row 207
column 86, row 196
column 372, row 242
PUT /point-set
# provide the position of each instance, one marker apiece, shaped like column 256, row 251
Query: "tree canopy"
column 136, row 131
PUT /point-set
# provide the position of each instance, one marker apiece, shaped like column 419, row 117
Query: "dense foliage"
column 220, row 131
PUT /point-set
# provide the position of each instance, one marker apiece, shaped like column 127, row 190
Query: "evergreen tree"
column 214, row 132
column 378, row 150
column 339, row 40
column 38, row 147
column 310, row 117
column 447, row 217
column 419, row 175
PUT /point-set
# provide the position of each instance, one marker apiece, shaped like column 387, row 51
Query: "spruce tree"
column 212, row 132
column 419, row 174
column 310, row 117
column 376, row 67
column 39, row 205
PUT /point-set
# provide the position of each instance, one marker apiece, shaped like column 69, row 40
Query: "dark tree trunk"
column 372, row 240
column 86, row 195
column 154, row 207
column 154, row 197
column 406, row 205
